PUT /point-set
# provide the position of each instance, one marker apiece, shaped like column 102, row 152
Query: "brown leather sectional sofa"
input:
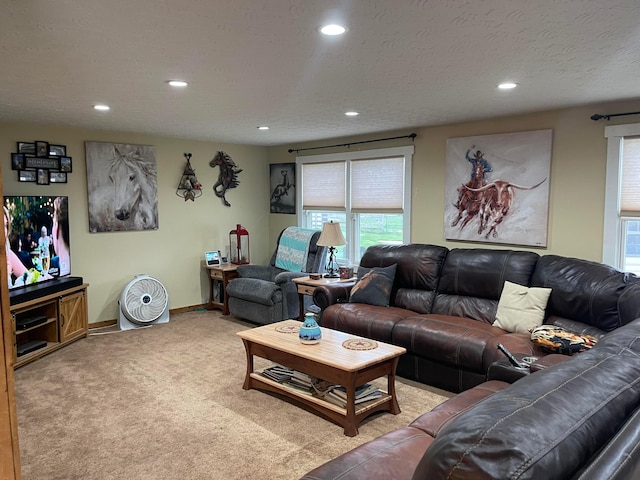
column 579, row 418
column 444, row 302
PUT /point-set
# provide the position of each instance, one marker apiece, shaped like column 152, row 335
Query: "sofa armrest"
column 261, row 272
column 515, row 343
column 548, row 360
column 285, row 277
column 326, row 295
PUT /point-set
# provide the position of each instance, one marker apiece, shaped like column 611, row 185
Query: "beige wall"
column 174, row 252
column 577, row 174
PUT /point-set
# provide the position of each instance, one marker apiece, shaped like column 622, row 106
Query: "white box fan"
column 143, row 301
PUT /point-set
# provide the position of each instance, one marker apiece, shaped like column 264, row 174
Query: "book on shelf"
column 322, row 387
column 361, row 391
column 333, row 397
column 278, row 373
column 299, row 388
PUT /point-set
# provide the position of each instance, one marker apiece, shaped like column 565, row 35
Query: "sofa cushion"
column 449, row 340
column 472, row 280
column 364, row 320
column 558, row 340
column 589, row 292
column 546, row 425
column 392, row 455
column 521, row 308
column 374, row 285
column 433, row 421
column 419, row 265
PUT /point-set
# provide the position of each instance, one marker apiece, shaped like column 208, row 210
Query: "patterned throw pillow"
column 374, row 285
column 558, row 340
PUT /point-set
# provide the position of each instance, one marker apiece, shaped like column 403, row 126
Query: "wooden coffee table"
column 327, row 360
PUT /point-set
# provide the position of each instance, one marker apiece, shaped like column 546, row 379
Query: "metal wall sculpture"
column 228, row 176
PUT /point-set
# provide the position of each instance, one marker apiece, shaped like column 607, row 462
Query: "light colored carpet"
column 166, row 402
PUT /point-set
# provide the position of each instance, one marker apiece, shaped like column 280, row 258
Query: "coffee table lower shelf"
column 332, row 411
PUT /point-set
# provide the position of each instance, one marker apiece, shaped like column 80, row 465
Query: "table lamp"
column 331, row 237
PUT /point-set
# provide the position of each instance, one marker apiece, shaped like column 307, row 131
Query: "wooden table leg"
column 350, row 425
column 247, row 378
column 391, row 387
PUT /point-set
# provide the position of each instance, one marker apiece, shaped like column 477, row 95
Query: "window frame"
column 351, row 227
column 613, row 238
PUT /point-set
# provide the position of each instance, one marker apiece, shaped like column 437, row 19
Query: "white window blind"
column 630, row 178
column 324, row 186
column 377, row 185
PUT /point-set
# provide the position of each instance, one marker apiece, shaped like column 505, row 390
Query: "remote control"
column 510, row 356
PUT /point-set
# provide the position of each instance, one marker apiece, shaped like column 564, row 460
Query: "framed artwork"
column 37, row 162
column 42, row 176
column 282, row 181
column 57, row 177
column 66, row 164
column 122, row 187
column 497, row 188
column 42, row 149
column 27, row 176
column 26, row 147
column 17, row 161
column 57, row 150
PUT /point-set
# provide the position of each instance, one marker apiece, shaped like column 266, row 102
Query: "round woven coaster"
column 360, row 344
column 287, row 328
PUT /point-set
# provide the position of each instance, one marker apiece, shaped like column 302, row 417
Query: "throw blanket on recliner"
column 293, row 249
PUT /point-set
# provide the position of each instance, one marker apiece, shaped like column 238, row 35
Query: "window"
column 368, row 192
column 621, row 238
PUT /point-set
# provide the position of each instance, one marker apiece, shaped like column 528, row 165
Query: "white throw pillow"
column 521, row 308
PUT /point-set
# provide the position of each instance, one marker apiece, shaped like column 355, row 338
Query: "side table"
column 220, row 274
column 306, row 286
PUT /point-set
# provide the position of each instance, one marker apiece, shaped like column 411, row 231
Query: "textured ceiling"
column 402, row 63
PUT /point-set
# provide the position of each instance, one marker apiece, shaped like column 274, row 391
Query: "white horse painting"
column 122, row 187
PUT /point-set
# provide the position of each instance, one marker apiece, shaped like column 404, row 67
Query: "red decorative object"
column 239, row 245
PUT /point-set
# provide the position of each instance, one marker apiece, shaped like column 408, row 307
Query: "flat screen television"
column 37, row 233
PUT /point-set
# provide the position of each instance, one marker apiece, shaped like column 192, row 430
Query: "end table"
column 306, row 286
column 220, row 274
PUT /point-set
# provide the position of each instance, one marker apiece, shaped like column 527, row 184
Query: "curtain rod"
column 608, row 116
column 411, row 136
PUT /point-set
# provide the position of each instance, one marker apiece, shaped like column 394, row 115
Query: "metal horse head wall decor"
column 228, row 175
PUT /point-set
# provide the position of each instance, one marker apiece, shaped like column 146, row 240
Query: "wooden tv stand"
column 64, row 316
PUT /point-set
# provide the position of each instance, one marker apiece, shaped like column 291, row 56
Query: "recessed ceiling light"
column 333, row 29
column 102, row 108
column 177, row 83
column 263, row 127
column 507, row 86
column 351, row 114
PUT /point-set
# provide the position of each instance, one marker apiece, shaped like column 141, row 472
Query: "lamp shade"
column 331, row 235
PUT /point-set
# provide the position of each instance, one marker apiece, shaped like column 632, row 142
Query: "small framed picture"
column 25, row 147
column 42, row 176
column 52, row 163
column 42, row 149
column 17, row 161
column 57, row 177
column 57, row 150
column 27, row 176
column 65, row 164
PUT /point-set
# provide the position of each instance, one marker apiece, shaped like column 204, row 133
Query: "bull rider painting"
column 497, row 188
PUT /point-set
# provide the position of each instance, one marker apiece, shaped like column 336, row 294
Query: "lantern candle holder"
column 239, row 245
